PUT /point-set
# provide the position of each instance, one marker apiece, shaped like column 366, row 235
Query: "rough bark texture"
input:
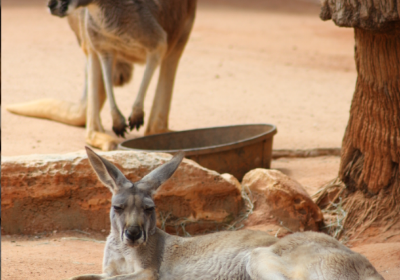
column 366, row 14
column 369, row 191
column 371, row 145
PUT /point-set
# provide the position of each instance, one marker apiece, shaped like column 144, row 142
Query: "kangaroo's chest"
column 113, row 37
column 119, row 259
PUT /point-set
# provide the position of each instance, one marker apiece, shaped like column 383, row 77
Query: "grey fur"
column 243, row 254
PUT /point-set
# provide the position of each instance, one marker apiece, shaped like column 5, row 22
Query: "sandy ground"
column 69, row 254
column 252, row 61
column 259, row 62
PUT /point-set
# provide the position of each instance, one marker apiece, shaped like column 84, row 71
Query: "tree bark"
column 368, row 192
column 371, row 145
column 365, row 14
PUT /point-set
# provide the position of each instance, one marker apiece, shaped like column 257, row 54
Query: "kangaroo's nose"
column 133, row 233
column 52, row 4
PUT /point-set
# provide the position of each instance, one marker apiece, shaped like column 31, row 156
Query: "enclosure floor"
column 59, row 257
column 268, row 62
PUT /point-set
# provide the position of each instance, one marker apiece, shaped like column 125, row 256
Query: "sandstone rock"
column 281, row 200
column 49, row 192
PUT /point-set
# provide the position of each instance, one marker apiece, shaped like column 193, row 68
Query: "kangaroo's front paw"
column 136, row 119
column 119, row 128
column 119, row 124
column 61, row 8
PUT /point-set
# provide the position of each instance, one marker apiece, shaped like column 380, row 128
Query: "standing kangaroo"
column 136, row 249
column 114, row 34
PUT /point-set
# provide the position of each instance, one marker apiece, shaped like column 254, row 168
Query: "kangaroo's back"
column 221, row 255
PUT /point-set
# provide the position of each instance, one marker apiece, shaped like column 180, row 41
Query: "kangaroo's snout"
column 52, row 4
column 58, row 8
column 133, row 233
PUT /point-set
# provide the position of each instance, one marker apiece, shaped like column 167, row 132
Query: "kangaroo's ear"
column 107, row 172
column 155, row 178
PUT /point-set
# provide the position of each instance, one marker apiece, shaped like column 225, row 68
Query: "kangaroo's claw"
column 136, row 125
column 136, row 120
column 120, row 130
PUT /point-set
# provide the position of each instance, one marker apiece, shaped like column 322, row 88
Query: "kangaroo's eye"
column 118, row 208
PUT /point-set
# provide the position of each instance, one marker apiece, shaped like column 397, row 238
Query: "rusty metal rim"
column 209, row 149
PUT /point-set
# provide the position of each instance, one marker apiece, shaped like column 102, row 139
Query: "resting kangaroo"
column 136, row 249
column 114, row 34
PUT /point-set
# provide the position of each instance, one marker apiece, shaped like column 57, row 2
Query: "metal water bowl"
column 226, row 149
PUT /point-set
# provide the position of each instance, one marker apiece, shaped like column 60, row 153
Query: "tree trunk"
column 371, row 145
column 369, row 194
column 365, row 14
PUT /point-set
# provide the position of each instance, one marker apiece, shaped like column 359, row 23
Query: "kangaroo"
column 115, row 34
column 136, row 249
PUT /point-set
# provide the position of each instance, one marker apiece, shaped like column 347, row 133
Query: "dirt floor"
column 259, row 62
column 67, row 254
column 253, row 61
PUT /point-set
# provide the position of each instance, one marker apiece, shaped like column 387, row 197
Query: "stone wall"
column 60, row 192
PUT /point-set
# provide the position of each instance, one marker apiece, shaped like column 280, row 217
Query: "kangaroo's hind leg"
column 95, row 135
column 158, row 121
column 263, row 264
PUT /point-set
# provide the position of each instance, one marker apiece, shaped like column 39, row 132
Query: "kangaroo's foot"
column 136, row 119
column 101, row 140
column 52, row 109
column 119, row 124
column 88, row 277
column 157, row 131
